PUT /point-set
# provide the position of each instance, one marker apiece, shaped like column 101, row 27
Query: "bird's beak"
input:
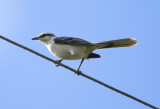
column 35, row 38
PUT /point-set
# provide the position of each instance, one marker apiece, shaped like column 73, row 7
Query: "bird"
column 71, row 48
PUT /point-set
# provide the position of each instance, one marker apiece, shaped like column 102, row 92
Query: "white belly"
column 70, row 52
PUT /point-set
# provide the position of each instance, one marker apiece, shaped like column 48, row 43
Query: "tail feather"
column 116, row 43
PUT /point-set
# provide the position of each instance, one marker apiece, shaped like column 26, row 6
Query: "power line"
column 80, row 73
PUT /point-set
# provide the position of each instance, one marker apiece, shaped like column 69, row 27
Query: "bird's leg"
column 78, row 72
column 58, row 62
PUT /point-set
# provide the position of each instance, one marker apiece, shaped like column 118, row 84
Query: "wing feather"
column 71, row 41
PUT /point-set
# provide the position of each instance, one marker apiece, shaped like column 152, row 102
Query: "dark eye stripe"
column 43, row 35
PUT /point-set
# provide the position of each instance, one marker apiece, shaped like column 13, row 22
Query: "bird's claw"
column 57, row 63
column 78, row 72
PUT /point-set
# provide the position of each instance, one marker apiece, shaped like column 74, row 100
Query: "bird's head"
column 44, row 37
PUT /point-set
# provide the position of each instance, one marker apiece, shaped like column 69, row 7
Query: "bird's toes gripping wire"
column 58, row 62
column 78, row 72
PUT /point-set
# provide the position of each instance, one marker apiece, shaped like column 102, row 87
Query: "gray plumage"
column 71, row 40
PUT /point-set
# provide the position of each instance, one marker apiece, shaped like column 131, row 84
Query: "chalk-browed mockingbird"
column 70, row 48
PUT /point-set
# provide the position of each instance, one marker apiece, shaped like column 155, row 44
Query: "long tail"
column 116, row 43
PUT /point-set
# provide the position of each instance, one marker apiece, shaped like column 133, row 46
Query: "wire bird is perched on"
column 70, row 48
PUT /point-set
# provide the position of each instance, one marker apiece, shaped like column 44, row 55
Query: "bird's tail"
column 116, row 43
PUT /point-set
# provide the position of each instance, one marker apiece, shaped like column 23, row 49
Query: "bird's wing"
column 71, row 41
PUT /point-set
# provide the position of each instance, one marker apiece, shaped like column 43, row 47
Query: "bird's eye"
column 43, row 35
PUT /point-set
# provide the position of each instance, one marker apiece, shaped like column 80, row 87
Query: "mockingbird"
column 70, row 48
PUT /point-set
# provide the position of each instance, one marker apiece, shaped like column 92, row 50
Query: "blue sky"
column 28, row 81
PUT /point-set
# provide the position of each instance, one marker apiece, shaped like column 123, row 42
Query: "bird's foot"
column 58, row 62
column 78, row 72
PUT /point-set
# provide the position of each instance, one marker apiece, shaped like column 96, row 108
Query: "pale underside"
column 70, row 52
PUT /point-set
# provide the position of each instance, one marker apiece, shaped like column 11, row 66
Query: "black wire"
column 80, row 73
